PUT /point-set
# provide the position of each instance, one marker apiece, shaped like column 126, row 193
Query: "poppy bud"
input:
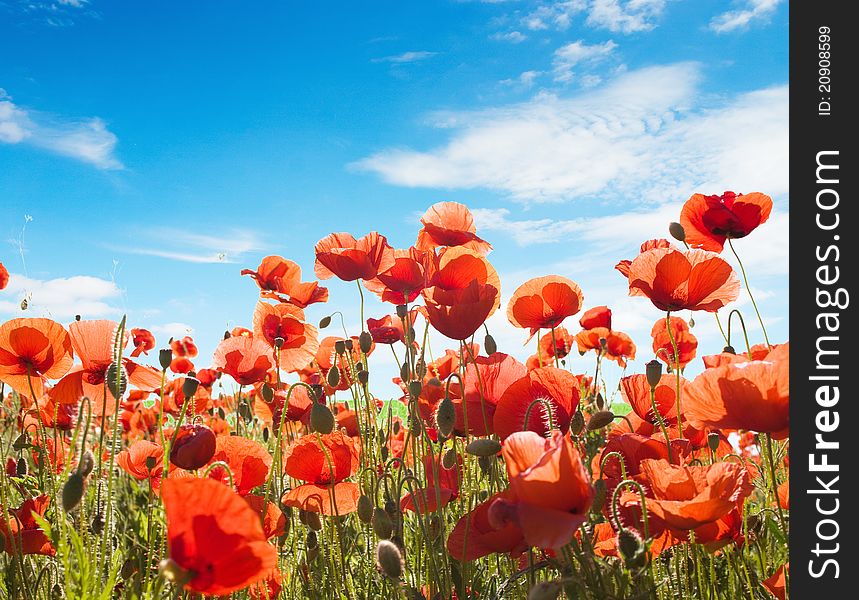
column 577, row 423
column 433, row 527
column 73, row 491
column 365, row 341
column 414, row 426
column 600, row 419
column 363, row 377
column 318, row 390
column 129, row 568
column 190, row 385
column 713, row 441
column 389, row 560
column 448, row 461
column 600, row 401
column 333, row 376
column 359, row 366
column 485, row 464
column 421, row 368
column 483, row 447
column 21, row 442
column 86, row 463
column 97, row 524
column 402, row 310
column 392, row 509
column 415, row 388
column 116, row 380
column 311, row 519
column 382, row 525
column 677, row 232
column 266, row 392
column 729, row 350
column 165, row 357
column 489, row 344
column 691, row 322
column 312, row 540
column 194, row 447
column 365, row 509
column 445, row 417
column 631, row 548
column 599, row 495
column 172, row 572
column 385, row 454
column 405, row 371
column 340, row 346
column 324, row 322
column 321, row 418
column 653, row 369
column 603, row 343
column 348, row 343
column 395, row 428
column 545, row 590
column 265, row 434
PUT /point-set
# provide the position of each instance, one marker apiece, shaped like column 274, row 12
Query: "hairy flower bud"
column 73, row 491
column 677, row 232
column 653, row 369
column 321, row 418
column 445, row 417
column 600, row 419
column 389, row 560
column 483, row 447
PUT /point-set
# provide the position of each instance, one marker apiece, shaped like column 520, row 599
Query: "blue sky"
column 149, row 151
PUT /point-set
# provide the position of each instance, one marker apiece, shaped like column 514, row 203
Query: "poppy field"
column 138, row 468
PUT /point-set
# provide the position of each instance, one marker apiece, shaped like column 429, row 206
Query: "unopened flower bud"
column 321, row 418
column 21, row 467
column 729, row 350
column 677, row 232
column 190, row 385
column 266, row 392
column 485, row 464
column 653, row 369
column 600, row 419
column 382, row 525
column 631, row 548
column 86, row 463
column 333, row 376
column 577, row 423
column 445, row 417
column 483, row 447
column 194, row 447
column 599, row 495
column 415, row 388
column 365, row 509
column 365, row 342
column 116, row 379
column 489, row 344
column 73, row 491
column 340, row 346
column 389, row 560
column 402, row 310
column 363, row 376
column 448, row 460
column 324, row 322
column 348, row 343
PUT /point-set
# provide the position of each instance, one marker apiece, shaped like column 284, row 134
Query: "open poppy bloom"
column 530, row 394
column 133, row 460
column 475, row 535
column 32, row 351
column 280, row 279
column 389, row 329
column 617, row 346
column 247, row 360
column 142, row 340
column 759, row 352
column 324, row 462
column 439, row 490
column 544, row 302
column 214, row 536
column 776, row 584
column 754, row 395
column 274, row 521
column 636, row 391
column 285, row 321
column 710, row 220
column 341, row 255
column 554, row 346
column 683, row 279
column 687, row 344
column 598, row 316
column 184, row 347
column 20, row 532
column 550, row 489
column 403, row 281
column 450, row 224
column 249, row 462
column 486, row 379
column 4, row 277
column 623, row 266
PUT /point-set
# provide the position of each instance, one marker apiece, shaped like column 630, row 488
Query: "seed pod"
column 311, row 519
column 265, row 434
column 577, row 423
column 545, row 590
column 653, row 369
column 729, row 350
column 402, row 310
column 448, row 461
column 392, row 509
column 677, row 232
column 385, row 453
column 489, row 344
column 333, row 376
column 150, row 462
column 165, row 357
column 483, row 447
column 382, row 525
column 321, row 418
column 415, row 388
column 600, row 419
column 114, row 372
column 599, row 495
column 445, row 417
column 86, row 463
column 194, row 447
column 365, row 509
column 421, row 369
column 713, row 441
column 365, row 341
column 73, row 491
column 359, row 366
column 389, row 560
column 190, row 385
column 324, row 322
column 340, row 346
column 348, row 343
column 363, row 377
column 404, row 371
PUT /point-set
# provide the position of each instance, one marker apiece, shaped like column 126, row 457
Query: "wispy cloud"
column 643, row 137
column 406, row 57
column 625, row 16
column 55, row 13
column 87, row 139
column 514, row 37
column 60, row 298
column 525, row 80
column 579, row 53
column 184, row 246
column 748, row 12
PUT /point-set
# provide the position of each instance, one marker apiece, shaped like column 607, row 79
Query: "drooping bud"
column 382, row 525
column 445, row 417
column 333, row 376
column 489, row 344
column 73, row 491
column 21, row 467
column 677, row 232
column 389, row 560
column 194, row 447
column 86, row 463
column 321, row 418
column 22, row 441
column 577, row 423
column 324, row 322
column 165, row 357
column 483, row 447
column 600, row 419
column 653, row 369
column 311, row 519
column 448, row 460
column 312, row 540
column 365, row 341
column 365, row 509
column 116, row 379
column 267, row 392
column 631, row 548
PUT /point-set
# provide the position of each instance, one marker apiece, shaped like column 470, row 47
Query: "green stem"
column 749, row 290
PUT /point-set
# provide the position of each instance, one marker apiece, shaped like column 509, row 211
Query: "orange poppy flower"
column 215, row 537
column 51, row 414
column 439, row 491
column 450, row 224
column 598, row 316
column 40, row 348
column 623, row 266
column 341, row 255
column 181, row 365
column 280, row 279
column 634, row 448
column 636, row 391
column 557, row 387
column 93, row 344
column 544, row 302
column 133, row 461
column 324, row 462
column 403, row 281
column 4, row 277
column 683, row 279
column 21, row 534
column 248, row 460
column 142, row 340
column 550, row 489
column 387, row 330
column 685, row 497
column 753, row 395
column 563, row 342
column 687, row 344
column 710, row 220
column 776, row 584
column 485, row 381
column 285, row 321
column 759, row 352
column 274, row 521
column 247, row 360
column 603, row 540
column 618, row 346
column 783, row 492
column 184, row 347
column 475, row 535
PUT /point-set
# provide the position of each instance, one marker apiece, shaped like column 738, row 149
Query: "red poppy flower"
column 4, row 277
column 215, row 537
column 387, row 330
column 280, row 279
column 193, row 447
column 40, row 348
column 347, row 420
column 286, row 322
column 776, row 583
column 142, row 340
column 274, row 521
column 710, row 220
column 247, row 360
column 486, row 379
column 450, row 224
column 753, row 395
column 439, row 491
column 636, row 391
column 133, row 461
column 623, row 266
column 544, row 302
column 323, row 461
column 181, row 365
column 341, row 255
column 554, row 346
column 783, row 492
column 598, row 316
column 248, row 460
column 557, row 387
column 759, row 352
column 51, row 414
column 683, row 279
column 184, row 347
column 550, row 489
column 634, row 448
column 618, row 346
column 687, row 344
column 21, row 534
column 403, row 281
column 475, row 535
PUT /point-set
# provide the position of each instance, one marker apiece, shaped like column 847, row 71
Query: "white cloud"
column 643, row 137
column 60, row 298
column 524, row 81
column 87, row 140
column 514, row 37
column 750, row 11
column 177, row 244
column 557, row 15
column 579, row 53
column 627, row 16
column 406, row 57
column 174, row 330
